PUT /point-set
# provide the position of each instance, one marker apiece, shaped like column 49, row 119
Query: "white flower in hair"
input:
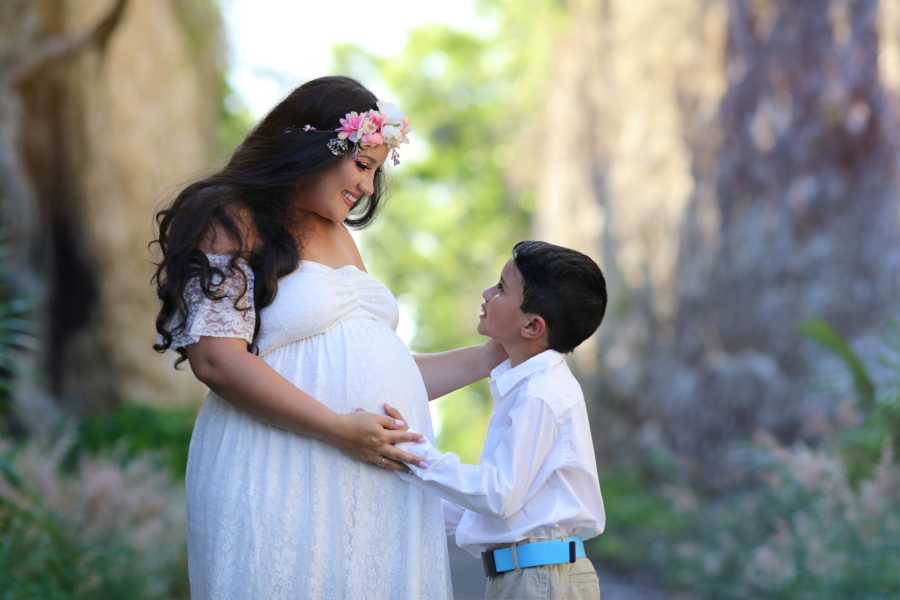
column 396, row 125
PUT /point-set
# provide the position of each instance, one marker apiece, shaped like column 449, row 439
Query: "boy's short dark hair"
column 563, row 286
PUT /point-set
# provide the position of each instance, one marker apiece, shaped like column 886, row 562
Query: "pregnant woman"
column 264, row 292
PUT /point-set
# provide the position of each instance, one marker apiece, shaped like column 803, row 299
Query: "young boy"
column 535, row 496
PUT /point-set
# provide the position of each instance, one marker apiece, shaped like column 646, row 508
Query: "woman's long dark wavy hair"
column 262, row 177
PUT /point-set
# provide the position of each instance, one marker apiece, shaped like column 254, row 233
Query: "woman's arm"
column 444, row 372
column 249, row 383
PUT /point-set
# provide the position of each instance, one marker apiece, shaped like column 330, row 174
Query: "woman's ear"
column 534, row 328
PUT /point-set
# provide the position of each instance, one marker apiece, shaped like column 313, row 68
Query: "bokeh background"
column 732, row 166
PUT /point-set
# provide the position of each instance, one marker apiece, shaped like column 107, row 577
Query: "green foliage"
column 819, row 331
column 804, row 533
column 862, row 446
column 233, row 119
column 818, row 523
column 640, row 521
column 17, row 333
column 204, row 32
column 40, row 557
column 16, row 336
column 463, row 420
column 135, row 430
column 43, row 555
column 453, row 215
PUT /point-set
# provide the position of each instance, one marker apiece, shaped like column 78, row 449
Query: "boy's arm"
column 452, row 516
column 444, row 372
column 499, row 485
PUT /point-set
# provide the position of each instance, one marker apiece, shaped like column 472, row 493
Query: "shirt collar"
column 505, row 377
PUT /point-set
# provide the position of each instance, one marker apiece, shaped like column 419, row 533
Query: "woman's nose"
column 367, row 186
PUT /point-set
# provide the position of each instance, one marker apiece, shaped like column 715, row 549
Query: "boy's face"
column 501, row 316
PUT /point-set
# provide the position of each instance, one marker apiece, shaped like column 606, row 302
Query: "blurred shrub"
column 133, row 430
column 807, row 532
column 878, row 401
column 641, row 521
column 104, row 531
column 820, row 522
column 16, row 336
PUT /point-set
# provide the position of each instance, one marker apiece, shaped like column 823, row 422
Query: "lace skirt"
column 272, row 514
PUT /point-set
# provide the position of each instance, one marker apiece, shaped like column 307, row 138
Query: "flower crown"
column 387, row 126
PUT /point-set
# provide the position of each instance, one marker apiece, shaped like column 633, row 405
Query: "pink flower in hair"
column 376, row 118
column 350, row 125
column 386, row 126
column 371, row 139
column 368, row 124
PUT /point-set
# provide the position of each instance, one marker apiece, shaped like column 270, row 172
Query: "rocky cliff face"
column 734, row 168
column 97, row 139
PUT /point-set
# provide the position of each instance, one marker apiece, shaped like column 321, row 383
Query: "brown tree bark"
column 89, row 94
column 806, row 205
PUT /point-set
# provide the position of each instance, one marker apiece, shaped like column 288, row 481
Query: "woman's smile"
column 349, row 199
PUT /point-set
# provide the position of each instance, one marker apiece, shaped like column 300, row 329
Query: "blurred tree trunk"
column 89, row 93
column 805, row 206
column 625, row 107
column 733, row 166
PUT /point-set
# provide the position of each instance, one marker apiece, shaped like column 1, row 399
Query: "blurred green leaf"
column 822, row 333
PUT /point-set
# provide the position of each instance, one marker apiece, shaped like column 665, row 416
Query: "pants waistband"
column 532, row 554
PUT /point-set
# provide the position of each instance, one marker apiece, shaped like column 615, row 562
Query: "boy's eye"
column 363, row 166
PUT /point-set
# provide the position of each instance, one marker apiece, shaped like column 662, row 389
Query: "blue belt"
column 534, row 554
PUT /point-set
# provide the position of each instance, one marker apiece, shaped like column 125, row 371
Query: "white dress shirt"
column 537, row 477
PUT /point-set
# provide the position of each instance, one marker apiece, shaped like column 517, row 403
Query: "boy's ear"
column 534, row 328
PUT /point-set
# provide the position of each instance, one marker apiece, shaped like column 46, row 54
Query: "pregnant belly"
column 358, row 363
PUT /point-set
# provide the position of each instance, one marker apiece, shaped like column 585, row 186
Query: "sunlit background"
column 732, row 166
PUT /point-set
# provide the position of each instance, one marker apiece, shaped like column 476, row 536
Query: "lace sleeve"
column 219, row 317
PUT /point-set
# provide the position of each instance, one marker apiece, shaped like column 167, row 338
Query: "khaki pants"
column 572, row 581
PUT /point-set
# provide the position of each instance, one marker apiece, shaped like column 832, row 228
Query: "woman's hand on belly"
column 371, row 438
column 395, row 414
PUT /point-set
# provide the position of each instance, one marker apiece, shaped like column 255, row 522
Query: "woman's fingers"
column 395, row 414
column 390, row 460
column 402, row 456
column 398, row 437
column 392, row 423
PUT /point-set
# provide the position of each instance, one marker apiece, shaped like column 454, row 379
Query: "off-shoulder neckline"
column 329, row 267
column 302, row 260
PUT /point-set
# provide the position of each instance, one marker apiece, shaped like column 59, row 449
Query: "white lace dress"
column 273, row 514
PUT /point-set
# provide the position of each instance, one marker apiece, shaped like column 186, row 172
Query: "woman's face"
column 342, row 185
